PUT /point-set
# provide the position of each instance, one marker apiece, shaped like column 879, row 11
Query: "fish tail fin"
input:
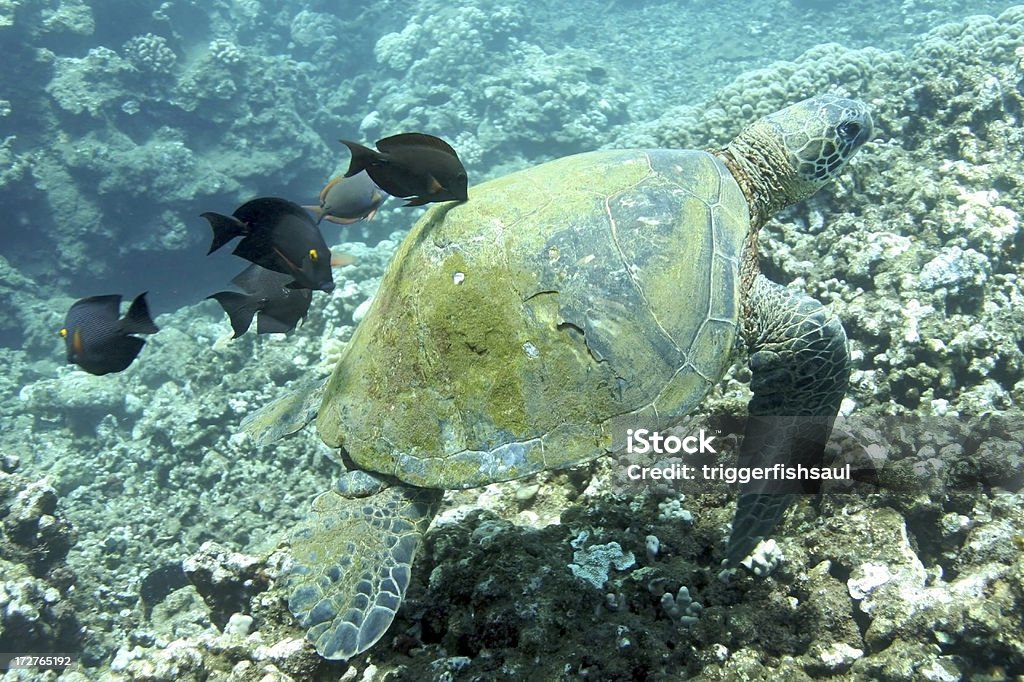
column 362, row 157
column 317, row 211
column 225, row 228
column 137, row 319
column 239, row 308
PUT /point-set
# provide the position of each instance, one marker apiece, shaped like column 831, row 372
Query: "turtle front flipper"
column 800, row 371
column 284, row 416
column 352, row 562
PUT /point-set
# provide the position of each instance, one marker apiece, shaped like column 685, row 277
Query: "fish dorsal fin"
column 137, row 319
column 269, row 210
column 246, row 280
column 414, row 140
column 111, row 303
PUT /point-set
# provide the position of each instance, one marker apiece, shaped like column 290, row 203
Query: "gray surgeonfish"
column 98, row 339
column 415, row 166
column 279, row 235
column 348, row 200
column 277, row 307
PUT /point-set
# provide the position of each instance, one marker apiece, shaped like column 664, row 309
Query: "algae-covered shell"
column 529, row 327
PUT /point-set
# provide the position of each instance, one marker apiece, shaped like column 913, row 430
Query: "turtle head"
column 821, row 134
column 787, row 156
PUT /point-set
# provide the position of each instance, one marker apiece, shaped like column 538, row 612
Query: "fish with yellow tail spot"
column 278, row 235
column 98, row 340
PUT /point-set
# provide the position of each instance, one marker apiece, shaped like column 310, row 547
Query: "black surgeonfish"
column 415, row 165
column 277, row 307
column 279, row 235
column 98, row 340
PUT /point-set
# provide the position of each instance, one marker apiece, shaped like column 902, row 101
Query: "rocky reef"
column 36, row 609
column 121, row 131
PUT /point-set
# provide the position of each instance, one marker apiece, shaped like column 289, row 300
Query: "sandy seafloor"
column 121, row 122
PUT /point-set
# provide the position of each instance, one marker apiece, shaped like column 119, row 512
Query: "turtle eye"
column 849, row 131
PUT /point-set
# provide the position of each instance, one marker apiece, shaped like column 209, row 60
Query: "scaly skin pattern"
column 351, row 564
column 787, row 156
column 798, row 356
column 530, row 327
column 799, row 374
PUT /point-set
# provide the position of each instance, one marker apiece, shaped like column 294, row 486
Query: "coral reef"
column 40, row 18
column 227, row 581
column 89, row 84
column 918, row 249
column 150, row 54
column 36, row 611
column 530, row 103
column 593, row 563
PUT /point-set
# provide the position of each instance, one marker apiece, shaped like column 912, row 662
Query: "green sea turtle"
column 530, row 327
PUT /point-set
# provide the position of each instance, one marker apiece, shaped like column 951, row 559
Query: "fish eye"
column 313, row 255
column 64, row 333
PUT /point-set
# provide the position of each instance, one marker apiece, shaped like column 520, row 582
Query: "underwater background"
column 121, row 121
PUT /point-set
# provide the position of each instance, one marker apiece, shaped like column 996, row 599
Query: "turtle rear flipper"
column 285, row 415
column 352, row 564
column 800, row 371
